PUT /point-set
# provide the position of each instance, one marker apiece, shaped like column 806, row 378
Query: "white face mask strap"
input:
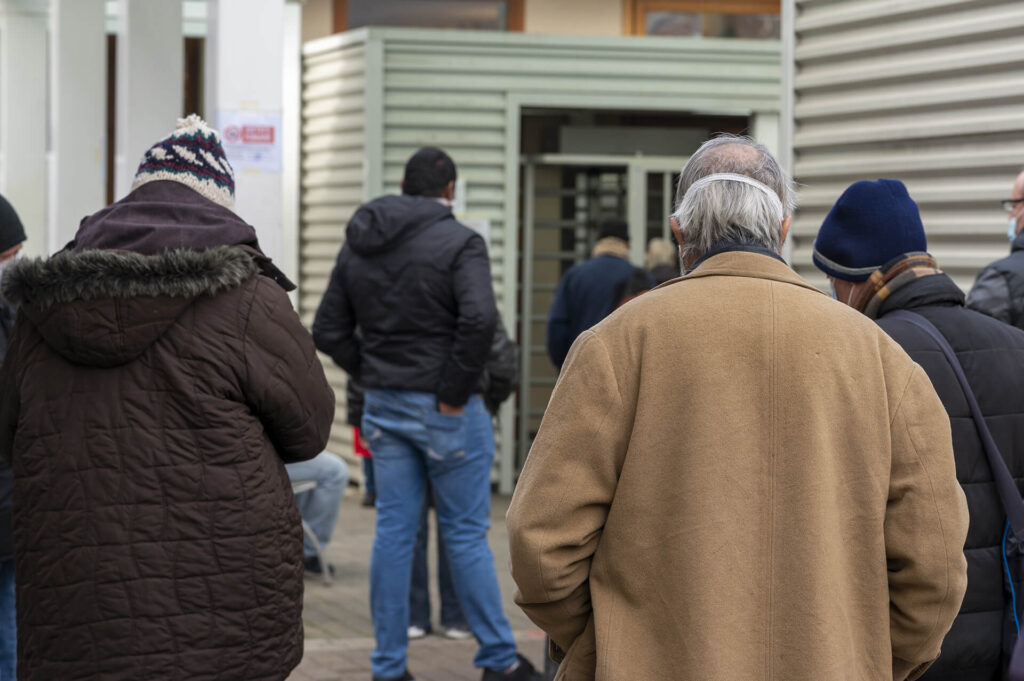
column 735, row 177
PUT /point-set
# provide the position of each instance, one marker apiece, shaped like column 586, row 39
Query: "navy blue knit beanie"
column 870, row 224
column 11, row 231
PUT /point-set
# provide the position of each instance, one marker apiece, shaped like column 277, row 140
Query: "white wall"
column 23, row 174
column 245, row 75
column 574, row 17
column 149, row 76
column 78, row 76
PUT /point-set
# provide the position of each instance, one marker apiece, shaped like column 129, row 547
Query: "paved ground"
column 339, row 632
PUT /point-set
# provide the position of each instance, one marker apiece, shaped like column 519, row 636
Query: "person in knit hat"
column 12, row 236
column 157, row 381
column 873, row 248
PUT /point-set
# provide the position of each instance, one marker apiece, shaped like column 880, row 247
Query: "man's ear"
column 786, row 222
column 449, row 191
column 677, row 229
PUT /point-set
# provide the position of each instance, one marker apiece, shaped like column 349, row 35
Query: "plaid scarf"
column 892, row 276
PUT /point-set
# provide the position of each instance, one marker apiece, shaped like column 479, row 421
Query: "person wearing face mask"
column 872, row 246
column 12, row 236
column 999, row 289
column 736, row 477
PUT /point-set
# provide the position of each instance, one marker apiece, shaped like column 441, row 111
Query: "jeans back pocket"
column 447, row 436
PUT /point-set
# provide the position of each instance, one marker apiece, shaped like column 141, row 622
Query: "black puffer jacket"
column 417, row 284
column 992, row 355
column 999, row 289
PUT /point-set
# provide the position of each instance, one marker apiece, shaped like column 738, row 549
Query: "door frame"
column 636, row 168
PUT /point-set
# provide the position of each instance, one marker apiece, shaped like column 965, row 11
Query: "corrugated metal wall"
column 333, row 181
column 927, row 91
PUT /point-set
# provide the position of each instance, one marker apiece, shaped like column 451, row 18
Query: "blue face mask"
column 1011, row 230
column 832, row 289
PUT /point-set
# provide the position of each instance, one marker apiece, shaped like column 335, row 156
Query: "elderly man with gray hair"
column 738, row 477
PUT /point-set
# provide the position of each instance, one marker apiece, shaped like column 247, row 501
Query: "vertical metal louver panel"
column 333, row 182
column 930, row 92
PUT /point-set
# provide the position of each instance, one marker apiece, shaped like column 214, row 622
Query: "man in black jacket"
column 999, row 289
column 12, row 235
column 872, row 246
column 417, row 285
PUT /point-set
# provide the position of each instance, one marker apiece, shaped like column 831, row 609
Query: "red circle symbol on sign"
column 232, row 133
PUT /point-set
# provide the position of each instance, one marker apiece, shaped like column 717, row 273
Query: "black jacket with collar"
column 992, row 356
column 999, row 289
column 416, row 284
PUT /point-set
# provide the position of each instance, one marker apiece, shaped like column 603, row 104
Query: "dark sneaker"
column 314, row 567
column 404, row 677
column 522, row 671
column 369, row 499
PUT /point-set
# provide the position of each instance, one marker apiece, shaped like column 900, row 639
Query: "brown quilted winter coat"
column 148, row 404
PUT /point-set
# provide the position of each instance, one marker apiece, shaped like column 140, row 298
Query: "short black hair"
column 613, row 227
column 428, row 172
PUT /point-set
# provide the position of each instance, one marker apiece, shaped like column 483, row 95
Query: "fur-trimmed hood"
column 104, row 308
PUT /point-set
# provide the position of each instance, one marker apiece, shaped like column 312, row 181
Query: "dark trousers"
column 368, row 485
column 419, row 593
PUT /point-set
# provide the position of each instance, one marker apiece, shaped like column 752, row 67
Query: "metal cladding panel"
column 452, row 89
column 333, row 185
column 930, row 92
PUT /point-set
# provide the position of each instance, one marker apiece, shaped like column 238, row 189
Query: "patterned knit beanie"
column 193, row 156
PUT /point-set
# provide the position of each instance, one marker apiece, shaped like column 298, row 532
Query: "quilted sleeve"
column 285, row 384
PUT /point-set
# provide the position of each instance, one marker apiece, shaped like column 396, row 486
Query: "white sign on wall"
column 252, row 139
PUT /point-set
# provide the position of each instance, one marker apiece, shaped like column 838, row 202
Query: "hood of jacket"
column 379, row 225
column 104, row 308
column 165, row 215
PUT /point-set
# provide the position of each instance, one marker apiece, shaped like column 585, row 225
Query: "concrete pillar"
column 244, row 100
column 150, row 57
column 23, row 37
column 78, row 105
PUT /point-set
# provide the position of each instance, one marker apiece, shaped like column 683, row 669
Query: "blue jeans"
column 8, row 633
column 419, row 594
column 412, row 444
column 319, row 507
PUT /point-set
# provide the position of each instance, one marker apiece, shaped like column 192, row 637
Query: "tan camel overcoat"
column 740, row 478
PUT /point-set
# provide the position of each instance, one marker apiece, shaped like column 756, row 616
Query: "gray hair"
column 731, row 211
